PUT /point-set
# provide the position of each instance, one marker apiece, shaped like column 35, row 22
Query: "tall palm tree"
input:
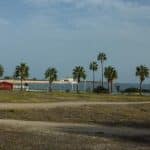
column 1, row 70
column 102, row 57
column 78, row 73
column 142, row 72
column 22, row 72
column 51, row 75
column 110, row 74
column 93, row 66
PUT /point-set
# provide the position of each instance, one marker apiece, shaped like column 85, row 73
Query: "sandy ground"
column 82, row 129
column 61, row 104
column 74, row 127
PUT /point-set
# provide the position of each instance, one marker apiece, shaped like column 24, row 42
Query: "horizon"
column 67, row 33
column 96, row 81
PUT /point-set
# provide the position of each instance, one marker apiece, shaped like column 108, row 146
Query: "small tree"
column 102, row 57
column 22, row 72
column 1, row 70
column 142, row 72
column 51, row 75
column 93, row 66
column 110, row 74
column 78, row 73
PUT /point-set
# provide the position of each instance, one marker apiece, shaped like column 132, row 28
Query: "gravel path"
column 61, row 104
column 73, row 128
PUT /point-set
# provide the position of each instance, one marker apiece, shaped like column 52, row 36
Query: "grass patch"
column 27, row 140
column 123, row 115
column 39, row 97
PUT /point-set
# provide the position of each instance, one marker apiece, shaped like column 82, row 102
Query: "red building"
column 6, row 86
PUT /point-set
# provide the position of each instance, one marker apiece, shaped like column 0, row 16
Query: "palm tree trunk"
column 111, row 84
column 78, row 80
column 140, row 88
column 108, row 87
column 102, row 74
column 50, row 87
column 93, row 80
column 21, row 85
column 77, row 87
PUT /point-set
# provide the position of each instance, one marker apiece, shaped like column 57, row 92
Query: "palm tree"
column 110, row 74
column 1, row 70
column 102, row 57
column 51, row 75
column 142, row 72
column 93, row 66
column 78, row 73
column 22, row 72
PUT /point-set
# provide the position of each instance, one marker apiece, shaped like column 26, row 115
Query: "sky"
column 67, row 33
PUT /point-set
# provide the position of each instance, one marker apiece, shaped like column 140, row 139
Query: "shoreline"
column 39, row 82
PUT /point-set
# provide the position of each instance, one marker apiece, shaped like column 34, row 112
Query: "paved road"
column 61, row 104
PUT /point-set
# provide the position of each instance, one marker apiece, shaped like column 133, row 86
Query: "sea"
column 84, row 86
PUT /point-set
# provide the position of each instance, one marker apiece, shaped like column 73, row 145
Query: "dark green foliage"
column 22, row 72
column 8, row 77
column 51, row 75
column 67, row 90
column 100, row 89
column 78, row 74
column 102, row 57
column 110, row 74
column 93, row 66
column 142, row 72
column 131, row 90
column 34, row 79
column 145, row 91
column 135, row 90
column 1, row 70
column 26, row 84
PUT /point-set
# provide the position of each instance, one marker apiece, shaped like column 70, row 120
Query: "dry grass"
column 37, row 97
column 124, row 115
column 127, row 115
column 23, row 140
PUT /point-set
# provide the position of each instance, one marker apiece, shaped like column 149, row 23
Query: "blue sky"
column 66, row 33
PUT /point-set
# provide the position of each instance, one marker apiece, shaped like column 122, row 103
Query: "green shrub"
column 135, row 90
column 100, row 89
column 131, row 90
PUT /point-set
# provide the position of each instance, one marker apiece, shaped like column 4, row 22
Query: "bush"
column 100, row 89
column 26, row 84
column 67, row 90
column 131, row 90
column 135, row 90
column 145, row 90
